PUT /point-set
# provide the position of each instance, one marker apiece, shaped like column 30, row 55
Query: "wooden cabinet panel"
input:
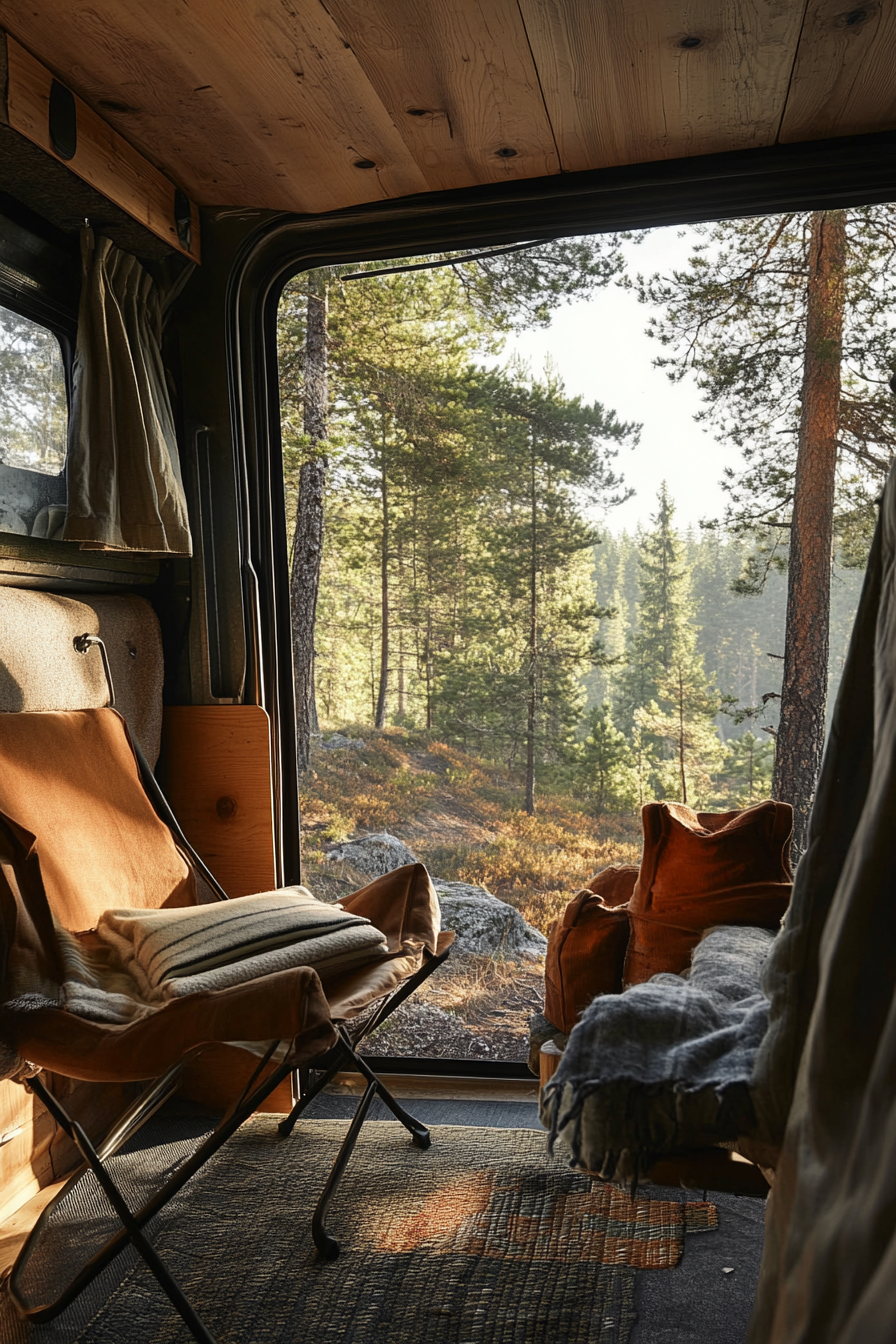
column 216, row 770
column 102, row 157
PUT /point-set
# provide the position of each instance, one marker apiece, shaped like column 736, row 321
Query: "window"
column 33, row 417
column 33, row 408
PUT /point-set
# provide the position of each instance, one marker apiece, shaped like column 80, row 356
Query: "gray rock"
column 486, row 926
column 373, row 854
column 340, row 743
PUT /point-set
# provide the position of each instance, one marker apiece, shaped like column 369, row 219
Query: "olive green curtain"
column 124, row 486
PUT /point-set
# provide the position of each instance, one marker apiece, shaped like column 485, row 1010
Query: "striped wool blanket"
column 170, row 953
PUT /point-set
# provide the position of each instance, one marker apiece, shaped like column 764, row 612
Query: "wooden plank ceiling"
column 311, row 106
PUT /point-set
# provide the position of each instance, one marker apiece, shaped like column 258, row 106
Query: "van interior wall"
column 40, row 274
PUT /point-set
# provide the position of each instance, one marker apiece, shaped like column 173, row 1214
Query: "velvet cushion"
column 615, row 885
column 586, row 948
column 699, row 869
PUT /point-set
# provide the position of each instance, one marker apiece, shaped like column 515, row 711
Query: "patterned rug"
column 484, row 1239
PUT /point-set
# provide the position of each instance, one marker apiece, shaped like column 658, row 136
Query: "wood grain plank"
column 620, row 88
column 844, row 80
column 33, row 1150
column 26, row 1131
column 16, row 1223
column 217, row 769
column 103, row 157
column 246, row 102
column 459, row 82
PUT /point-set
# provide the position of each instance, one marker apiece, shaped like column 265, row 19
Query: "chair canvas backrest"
column 71, row 779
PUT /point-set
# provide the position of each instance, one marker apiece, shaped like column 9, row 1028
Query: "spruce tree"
column 663, row 691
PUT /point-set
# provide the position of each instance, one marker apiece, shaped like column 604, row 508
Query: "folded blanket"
column 667, row 1064
column 171, row 953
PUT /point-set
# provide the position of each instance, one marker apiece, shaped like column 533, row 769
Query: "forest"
column 455, row 559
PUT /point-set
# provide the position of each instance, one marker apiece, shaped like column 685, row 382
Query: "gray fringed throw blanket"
column 665, row 1065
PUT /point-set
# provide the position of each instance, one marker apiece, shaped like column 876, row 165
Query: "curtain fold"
column 124, row 486
column 829, row 1266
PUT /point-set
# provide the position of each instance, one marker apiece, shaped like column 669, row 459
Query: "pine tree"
column 787, row 322
column 747, row 769
column 551, row 455
column 325, row 328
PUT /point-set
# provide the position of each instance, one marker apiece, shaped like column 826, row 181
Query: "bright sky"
column 602, row 354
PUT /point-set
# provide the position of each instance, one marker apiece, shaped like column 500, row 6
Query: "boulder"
column 485, row 926
column 340, row 743
column 373, row 855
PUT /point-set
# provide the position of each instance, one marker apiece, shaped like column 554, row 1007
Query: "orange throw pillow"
column 586, row 948
column 615, row 885
column 699, row 869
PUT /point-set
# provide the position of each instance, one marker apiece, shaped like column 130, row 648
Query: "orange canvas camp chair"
column 78, row 836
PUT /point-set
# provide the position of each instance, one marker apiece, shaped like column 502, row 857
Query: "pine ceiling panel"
column 844, row 82
column 458, row 79
column 242, row 102
column 630, row 81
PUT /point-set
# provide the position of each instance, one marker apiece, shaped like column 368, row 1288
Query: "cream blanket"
column 152, row 956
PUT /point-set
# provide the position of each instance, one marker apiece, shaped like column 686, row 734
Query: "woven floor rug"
column 483, row 1239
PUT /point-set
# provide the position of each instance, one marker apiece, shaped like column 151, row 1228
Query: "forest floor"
column 464, row 819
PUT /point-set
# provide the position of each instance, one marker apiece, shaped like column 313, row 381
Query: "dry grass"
column 487, row 993
column 463, row 819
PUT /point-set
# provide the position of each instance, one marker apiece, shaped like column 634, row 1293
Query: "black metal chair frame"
column 340, row 1057
column 308, row 1081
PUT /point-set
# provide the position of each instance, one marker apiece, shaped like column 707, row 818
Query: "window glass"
column 33, row 406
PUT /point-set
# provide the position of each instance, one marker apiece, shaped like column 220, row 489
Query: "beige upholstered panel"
column 40, row 670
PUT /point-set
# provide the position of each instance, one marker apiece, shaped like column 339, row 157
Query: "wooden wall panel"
column 25, row 1133
column 217, row 775
column 844, row 80
column 465, row 65
column 102, row 158
column 33, row 1150
column 620, row 88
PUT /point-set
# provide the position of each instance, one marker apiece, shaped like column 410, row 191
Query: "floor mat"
column 483, row 1238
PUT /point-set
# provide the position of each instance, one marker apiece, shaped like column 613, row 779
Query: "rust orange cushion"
column 699, row 869
column 615, row 885
column 586, row 948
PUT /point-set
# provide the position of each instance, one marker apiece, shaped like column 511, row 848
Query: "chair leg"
column 418, row 1131
column 132, row 1223
column 336, row 1061
column 327, row 1246
column 153, row 1260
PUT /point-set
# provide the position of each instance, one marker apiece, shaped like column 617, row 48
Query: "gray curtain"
column 124, row 487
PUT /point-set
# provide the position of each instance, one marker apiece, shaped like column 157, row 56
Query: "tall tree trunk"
column 308, row 538
column 399, row 705
column 379, row 720
column 533, row 652
column 428, row 665
column 681, row 770
column 800, row 737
